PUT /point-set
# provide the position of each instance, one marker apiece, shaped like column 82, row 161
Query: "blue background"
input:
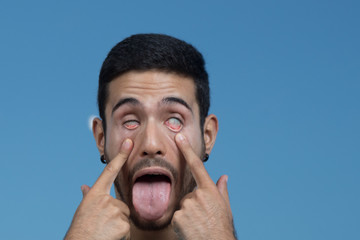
column 285, row 79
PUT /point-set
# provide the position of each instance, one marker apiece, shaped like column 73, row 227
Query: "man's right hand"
column 99, row 215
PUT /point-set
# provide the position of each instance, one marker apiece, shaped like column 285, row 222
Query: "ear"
column 99, row 135
column 211, row 127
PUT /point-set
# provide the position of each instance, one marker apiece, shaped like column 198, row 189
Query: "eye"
column 131, row 124
column 174, row 124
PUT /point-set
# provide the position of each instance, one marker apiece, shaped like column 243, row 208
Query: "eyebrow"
column 135, row 102
column 173, row 100
column 123, row 101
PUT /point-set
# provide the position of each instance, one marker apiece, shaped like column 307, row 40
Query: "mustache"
column 153, row 162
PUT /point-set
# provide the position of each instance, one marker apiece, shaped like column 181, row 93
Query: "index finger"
column 197, row 167
column 107, row 177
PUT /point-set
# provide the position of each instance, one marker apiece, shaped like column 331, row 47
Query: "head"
column 143, row 52
column 152, row 86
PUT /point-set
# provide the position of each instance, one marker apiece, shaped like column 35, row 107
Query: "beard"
column 186, row 186
column 182, row 185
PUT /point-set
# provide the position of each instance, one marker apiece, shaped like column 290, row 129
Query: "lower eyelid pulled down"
column 131, row 124
column 174, row 124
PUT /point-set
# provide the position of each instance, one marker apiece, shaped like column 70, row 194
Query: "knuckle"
column 200, row 193
column 123, row 229
column 107, row 197
column 126, row 226
column 105, row 200
column 176, row 216
column 125, row 209
column 203, row 195
column 116, row 211
column 186, row 203
column 121, row 209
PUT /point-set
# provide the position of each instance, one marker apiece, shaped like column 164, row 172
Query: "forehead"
column 150, row 87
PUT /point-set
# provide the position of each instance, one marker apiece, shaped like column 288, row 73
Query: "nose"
column 152, row 140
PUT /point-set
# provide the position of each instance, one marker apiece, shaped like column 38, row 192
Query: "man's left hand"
column 204, row 213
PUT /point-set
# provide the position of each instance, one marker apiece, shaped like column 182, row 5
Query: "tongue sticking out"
column 151, row 195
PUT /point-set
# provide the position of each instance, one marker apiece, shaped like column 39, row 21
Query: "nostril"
column 149, row 153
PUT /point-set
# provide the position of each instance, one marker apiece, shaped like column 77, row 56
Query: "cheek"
column 115, row 138
column 193, row 135
column 175, row 155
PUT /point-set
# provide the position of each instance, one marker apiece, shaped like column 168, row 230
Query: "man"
column 154, row 133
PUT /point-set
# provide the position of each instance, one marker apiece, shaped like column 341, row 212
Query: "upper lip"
column 152, row 171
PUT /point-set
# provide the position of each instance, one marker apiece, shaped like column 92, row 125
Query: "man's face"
column 151, row 108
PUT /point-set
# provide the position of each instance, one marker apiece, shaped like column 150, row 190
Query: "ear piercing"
column 206, row 157
column 102, row 159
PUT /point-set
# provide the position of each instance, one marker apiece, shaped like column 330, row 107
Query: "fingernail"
column 127, row 143
column 180, row 137
column 82, row 188
column 226, row 178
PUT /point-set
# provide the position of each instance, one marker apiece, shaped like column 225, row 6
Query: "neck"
column 166, row 233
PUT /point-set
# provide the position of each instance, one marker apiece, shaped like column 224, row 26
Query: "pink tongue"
column 151, row 196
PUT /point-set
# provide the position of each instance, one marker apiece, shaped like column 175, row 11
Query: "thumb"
column 222, row 187
column 85, row 189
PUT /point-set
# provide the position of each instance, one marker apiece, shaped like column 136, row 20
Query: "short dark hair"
column 161, row 52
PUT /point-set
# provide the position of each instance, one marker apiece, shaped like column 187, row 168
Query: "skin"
column 149, row 129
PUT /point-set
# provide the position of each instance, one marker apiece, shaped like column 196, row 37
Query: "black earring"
column 102, row 159
column 206, row 157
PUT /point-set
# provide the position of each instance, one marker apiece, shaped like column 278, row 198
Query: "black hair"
column 161, row 52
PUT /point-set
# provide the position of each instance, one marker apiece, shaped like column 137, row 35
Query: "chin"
column 151, row 225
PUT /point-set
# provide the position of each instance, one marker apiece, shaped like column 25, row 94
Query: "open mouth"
column 151, row 192
column 153, row 178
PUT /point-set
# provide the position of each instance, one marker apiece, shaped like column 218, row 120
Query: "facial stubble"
column 188, row 184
